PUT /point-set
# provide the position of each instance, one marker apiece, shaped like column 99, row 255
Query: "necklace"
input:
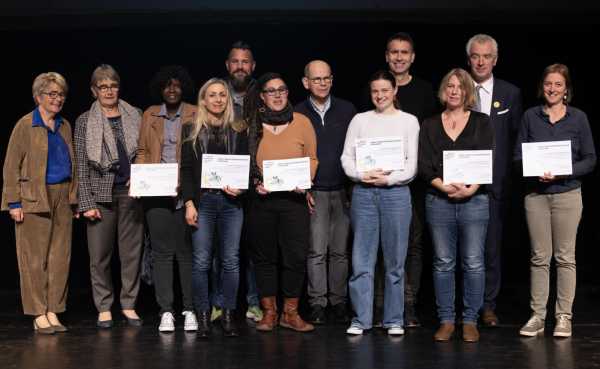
column 454, row 120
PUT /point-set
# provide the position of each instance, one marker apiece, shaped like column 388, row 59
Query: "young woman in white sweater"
column 380, row 205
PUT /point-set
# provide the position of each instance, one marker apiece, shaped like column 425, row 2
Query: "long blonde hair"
column 202, row 120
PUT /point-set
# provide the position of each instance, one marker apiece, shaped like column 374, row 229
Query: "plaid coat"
column 94, row 187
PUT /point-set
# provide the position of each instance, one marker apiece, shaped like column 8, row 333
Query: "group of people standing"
column 51, row 177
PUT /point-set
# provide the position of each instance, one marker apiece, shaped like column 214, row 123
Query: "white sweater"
column 372, row 125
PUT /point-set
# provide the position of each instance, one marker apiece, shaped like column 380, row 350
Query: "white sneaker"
column 167, row 323
column 563, row 327
column 191, row 322
column 534, row 326
column 354, row 329
column 395, row 329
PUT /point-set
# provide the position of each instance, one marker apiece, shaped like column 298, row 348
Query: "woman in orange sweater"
column 277, row 219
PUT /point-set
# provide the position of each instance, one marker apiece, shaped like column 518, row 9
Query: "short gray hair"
column 105, row 71
column 46, row 80
column 307, row 68
column 482, row 39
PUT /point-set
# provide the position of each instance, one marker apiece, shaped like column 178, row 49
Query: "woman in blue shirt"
column 553, row 202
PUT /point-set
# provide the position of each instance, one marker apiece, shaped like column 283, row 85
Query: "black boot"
column 378, row 317
column 227, row 321
column 341, row 313
column 317, row 315
column 203, row 324
column 410, row 315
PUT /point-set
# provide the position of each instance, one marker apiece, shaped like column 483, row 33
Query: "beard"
column 240, row 81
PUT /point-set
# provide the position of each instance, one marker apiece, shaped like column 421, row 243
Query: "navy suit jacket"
column 506, row 118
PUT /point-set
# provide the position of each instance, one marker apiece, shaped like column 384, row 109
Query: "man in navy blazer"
column 503, row 102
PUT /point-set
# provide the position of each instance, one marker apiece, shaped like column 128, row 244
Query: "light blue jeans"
column 374, row 210
column 467, row 222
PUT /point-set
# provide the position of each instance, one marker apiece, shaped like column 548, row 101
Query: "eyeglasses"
column 104, row 88
column 318, row 80
column 53, row 95
column 271, row 91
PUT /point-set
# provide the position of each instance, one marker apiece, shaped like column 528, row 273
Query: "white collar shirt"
column 486, row 95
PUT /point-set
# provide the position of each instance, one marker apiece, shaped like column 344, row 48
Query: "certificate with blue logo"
column 285, row 175
column 219, row 171
column 468, row 166
column 153, row 180
column 386, row 153
column 544, row 157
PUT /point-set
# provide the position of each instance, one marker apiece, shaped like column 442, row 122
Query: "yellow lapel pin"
column 496, row 104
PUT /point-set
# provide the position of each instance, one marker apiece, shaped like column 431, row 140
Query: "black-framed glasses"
column 53, row 95
column 104, row 88
column 271, row 91
column 318, row 80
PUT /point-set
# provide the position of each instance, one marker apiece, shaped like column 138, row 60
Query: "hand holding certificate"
column 153, row 180
column 219, row 171
column 286, row 175
column 540, row 158
column 468, row 166
column 386, row 153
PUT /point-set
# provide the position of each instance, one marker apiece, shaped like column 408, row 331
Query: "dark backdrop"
column 355, row 49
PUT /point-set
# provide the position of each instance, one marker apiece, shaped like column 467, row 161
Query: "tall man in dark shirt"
column 240, row 64
column 416, row 97
column 330, row 216
column 502, row 101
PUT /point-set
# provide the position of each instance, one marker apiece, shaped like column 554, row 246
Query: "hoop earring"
column 262, row 110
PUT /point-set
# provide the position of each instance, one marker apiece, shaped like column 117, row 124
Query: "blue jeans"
column 223, row 210
column 467, row 221
column 374, row 210
column 216, row 293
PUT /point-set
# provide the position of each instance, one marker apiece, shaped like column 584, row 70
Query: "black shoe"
column 227, row 321
column 317, row 315
column 410, row 315
column 203, row 324
column 132, row 322
column 378, row 317
column 341, row 313
column 105, row 323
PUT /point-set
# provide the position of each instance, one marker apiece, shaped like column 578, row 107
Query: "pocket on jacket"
column 27, row 191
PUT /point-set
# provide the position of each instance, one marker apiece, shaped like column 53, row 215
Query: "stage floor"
column 328, row 346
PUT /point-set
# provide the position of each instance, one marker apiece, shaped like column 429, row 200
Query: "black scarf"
column 268, row 116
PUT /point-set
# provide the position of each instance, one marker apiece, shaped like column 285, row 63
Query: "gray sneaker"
column 533, row 327
column 563, row 327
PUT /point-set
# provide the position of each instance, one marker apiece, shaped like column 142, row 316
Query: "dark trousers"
column 281, row 221
column 329, row 229
column 413, row 265
column 170, row 236
column 124, row 215
column 493, row 241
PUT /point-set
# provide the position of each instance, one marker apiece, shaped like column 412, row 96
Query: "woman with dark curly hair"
column 160, row 143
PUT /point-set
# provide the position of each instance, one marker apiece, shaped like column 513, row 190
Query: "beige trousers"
column 44, row 253
column 552, row 220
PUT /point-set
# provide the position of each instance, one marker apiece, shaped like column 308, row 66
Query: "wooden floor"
column 328, row 346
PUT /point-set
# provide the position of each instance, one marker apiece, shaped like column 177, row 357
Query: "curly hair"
column 164, row 76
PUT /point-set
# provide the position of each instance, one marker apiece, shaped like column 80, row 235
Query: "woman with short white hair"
column 106, row 144
column 40, row 190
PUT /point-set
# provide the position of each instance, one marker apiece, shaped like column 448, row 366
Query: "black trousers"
column 170, row 236
column 281, row 222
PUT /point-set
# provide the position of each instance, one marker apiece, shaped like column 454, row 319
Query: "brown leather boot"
column 290, row 317
column 490, row 320
column 445, row 332
column 269, row 309
column 470, row 333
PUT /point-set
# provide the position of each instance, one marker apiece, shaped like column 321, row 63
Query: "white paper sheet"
column 153, row 180
column 468, row 166
column 285, row 175
column 386, row 153
column 544, row 157
column 219, row 171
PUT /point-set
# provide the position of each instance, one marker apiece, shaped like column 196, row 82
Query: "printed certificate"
column 219, row 171
column 285, row 175
column 544, row 157
column 386, row 153
column 153, row 180
column 468, row 166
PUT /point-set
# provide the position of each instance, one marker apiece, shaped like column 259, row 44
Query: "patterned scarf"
column 101, row 143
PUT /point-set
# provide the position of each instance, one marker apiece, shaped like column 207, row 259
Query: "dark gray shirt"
column 171, row 130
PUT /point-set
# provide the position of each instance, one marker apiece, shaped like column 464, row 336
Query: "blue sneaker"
column 395, row 329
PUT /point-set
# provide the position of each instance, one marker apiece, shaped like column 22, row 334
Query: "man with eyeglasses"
column 416, row 97
column 328, row 198
column 240, row 64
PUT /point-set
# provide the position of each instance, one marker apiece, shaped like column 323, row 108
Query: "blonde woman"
column 214, row 131
column 40, row 190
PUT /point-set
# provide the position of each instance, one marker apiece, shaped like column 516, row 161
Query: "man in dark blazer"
column 503, row 102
